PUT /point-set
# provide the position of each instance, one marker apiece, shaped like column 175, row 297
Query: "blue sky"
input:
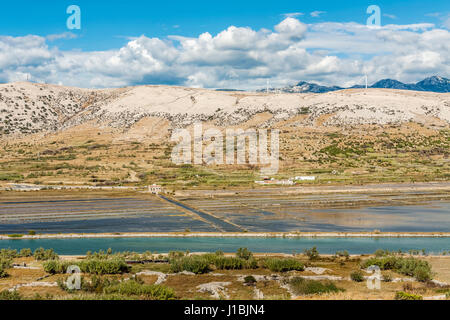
column 239, row 44
column 107, row 24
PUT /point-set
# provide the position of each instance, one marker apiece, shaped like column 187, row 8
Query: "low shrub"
column 244, row 253
column 176, row 254
column 249, row 280
column 229, row 263
column 8, row 254
column 5, row 264
column 134, row 288
column 41, row 254
column 312, row 254
column 400, row 295
column 387, row 277
column 413, row 267
column 25, row 253
column 100, row 266
column 283, row 265
column 301, row 286
column 195, row 264
column 56, row 266
column 92, row 266
column 234, row 263
column 96, row 284
column 10, row 295
column 357, row 276
column 344, row 254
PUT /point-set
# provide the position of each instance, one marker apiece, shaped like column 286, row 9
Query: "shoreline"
column 292, row 235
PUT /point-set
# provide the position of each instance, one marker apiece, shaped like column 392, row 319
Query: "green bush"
column 249, row 280
column 97, row 284
column 15, row 235
column 234, row 263
column 134, row 288
column 413, row 267
column 422, row 273
column 244, row 253
column 56, row 266
column 301, row 286
column 312, row 254
column 92, row 266
column 8, row 253
column 195, row 264
column 387, row 277
column 10, row 295
column 400, row 295
column 41, row 254
column 344, row 254
column 100, row 266
column 381, row 253
column 25, row 253
column 283, row 265
column 5, row 264
column 357, row 276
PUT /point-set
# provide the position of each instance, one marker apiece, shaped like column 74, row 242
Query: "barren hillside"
column 56, row 135
column 29, row 108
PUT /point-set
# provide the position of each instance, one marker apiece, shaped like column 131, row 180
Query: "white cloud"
column 240, row 57
column 64, row 35
column 292, row 14
column 447, row 23
column 317, row 14
column 390, row 16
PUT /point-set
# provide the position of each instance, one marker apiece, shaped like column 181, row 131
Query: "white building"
column 155, row 189
column 305, row 178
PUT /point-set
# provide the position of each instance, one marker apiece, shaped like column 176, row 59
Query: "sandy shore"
column 234, row 235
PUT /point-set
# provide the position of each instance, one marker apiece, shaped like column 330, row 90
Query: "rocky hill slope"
column 28, row 108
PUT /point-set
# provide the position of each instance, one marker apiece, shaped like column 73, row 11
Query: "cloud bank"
column 239, row 57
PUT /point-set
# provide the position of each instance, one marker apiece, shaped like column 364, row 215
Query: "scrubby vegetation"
column 407, row 296
column 91, row 265
column 312, row 254
column 410, row 266
column 199, row 264
column 357, row 276
column 135, row 288
column 108, row 275
column 120, row 289
column 283, row 265
column 10, row 295
column 249, row 280
column 195, row 264
column 41, row 254
column 301, row 286
column 5, row 264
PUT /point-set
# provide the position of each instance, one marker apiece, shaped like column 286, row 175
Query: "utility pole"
column 366, row 81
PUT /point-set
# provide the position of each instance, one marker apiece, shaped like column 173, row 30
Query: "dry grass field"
column 92, row 156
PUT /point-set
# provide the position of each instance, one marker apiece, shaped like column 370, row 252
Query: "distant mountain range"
column 432, row 84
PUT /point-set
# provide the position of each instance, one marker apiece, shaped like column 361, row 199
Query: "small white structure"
column 305, row 178
column 155, row 189
column 276, row 182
